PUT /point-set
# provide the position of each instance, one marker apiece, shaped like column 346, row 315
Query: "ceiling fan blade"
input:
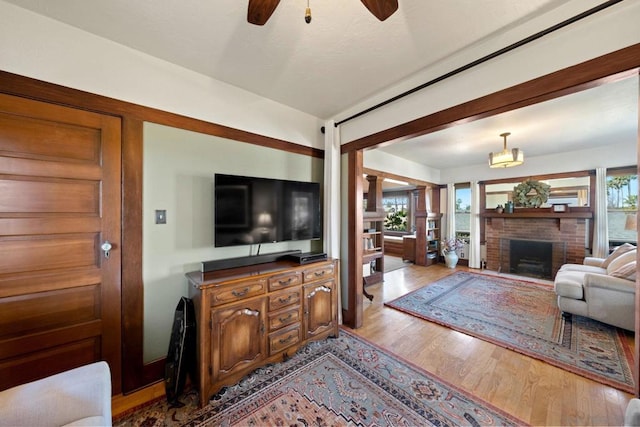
column 259, row 11
column 381, row 9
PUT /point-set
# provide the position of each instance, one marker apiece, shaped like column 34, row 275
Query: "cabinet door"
column 237, row 337
column 320, row 308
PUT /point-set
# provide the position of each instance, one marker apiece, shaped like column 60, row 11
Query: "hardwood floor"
column 531, row 390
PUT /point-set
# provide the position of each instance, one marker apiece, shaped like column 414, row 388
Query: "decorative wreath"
column 531, row 194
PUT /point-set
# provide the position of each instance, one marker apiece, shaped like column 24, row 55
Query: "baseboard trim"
column 123, row 404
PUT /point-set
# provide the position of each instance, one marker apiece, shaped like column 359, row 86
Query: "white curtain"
column 474, row 227
column 601, row 231
column 332, row 197
column 451, row 211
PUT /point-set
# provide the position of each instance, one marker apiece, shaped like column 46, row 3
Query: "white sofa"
column 601, row 288
column 78, row 397
column 632, row 413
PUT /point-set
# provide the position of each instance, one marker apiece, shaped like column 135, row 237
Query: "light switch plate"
column 161, row 216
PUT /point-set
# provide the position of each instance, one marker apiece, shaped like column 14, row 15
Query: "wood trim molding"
column 611, row 67
column 132, row 284
column 27, row 87
column 575, row 174
column 352, row 313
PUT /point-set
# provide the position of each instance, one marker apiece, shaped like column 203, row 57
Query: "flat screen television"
column 251, row 210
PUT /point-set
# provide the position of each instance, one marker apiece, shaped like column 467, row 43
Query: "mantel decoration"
column 531, row 194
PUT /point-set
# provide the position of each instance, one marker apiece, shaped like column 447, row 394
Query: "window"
column 463, row 211
column 622, row 205
column 396, row 208
column 573, row 191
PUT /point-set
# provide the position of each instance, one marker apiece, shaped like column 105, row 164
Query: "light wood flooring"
column 533, row 391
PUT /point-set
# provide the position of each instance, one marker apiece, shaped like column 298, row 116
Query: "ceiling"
column 346, row 55
column 601, row 116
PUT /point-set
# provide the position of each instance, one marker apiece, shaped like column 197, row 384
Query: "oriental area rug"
column 334, row 382
column 523, row 316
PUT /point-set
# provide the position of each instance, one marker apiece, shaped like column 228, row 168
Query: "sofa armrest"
column 603, row 281
column 596, row 262
column 81, row 395
column 632, row 413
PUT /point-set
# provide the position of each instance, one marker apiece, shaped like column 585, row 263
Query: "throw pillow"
column 623, row 259
column 626, row 247
column 627, row 271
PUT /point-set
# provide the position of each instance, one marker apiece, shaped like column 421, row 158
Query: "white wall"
column 378, row 160
column 35, row 46
column 178, row 171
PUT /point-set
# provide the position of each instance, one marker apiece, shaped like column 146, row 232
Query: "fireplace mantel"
column 543, row 214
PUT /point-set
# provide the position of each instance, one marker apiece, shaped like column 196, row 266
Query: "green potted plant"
column 396, row 221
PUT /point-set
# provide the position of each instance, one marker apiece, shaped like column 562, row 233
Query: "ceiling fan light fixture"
column 506, row 158
column 307, row 14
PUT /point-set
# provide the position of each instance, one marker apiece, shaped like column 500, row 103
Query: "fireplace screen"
column 532, row 258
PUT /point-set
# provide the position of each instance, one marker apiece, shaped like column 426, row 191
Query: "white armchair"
column 78, row 397
column 601, row 289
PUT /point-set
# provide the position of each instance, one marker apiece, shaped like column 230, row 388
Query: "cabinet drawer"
column 283, row 318
column 284, row 281
column 280, row 340
column 237, row 292
column 283, row 299
column 325, row 272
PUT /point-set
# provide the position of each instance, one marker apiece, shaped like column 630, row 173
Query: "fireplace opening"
column 530, row 258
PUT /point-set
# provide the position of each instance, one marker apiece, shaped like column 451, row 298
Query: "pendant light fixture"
column 506, row 158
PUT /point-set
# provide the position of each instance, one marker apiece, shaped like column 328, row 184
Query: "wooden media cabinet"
column 250, row 316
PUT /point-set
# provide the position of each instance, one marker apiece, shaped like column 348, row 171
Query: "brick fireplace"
column 534, row 244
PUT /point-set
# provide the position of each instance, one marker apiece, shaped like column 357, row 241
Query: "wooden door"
column 59, row 202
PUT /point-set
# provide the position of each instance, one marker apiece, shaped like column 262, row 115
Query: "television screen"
column 250, row 210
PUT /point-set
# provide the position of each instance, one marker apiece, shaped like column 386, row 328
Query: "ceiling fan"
column 260, row 11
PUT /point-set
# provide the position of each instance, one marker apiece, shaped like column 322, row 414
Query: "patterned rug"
column 523, row 316
column 335, row 382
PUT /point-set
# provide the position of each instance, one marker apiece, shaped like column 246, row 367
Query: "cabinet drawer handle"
column 285, row 282
column 284, row 319
column 240, row 293
column 285, row 300
column 287, row 339
column 320, row 273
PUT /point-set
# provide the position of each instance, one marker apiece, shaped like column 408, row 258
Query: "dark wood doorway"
column 60, row 201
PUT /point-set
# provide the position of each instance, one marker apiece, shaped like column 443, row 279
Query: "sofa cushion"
column 568, row 284
column 583, row 268
column 627, row 271
column 620, row 250
column 623, row 259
